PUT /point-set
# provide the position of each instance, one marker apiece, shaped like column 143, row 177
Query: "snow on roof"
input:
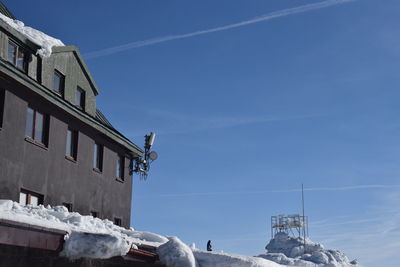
column 43, row 40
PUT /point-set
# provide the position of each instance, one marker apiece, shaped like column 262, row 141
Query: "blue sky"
column 246, row 114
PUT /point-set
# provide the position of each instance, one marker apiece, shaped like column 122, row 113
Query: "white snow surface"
column 219, row 259
column 43, row 40
column 289, row 251
column 175, row 253
column 89, row 237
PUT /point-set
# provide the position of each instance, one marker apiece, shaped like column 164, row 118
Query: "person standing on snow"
column 209, row 247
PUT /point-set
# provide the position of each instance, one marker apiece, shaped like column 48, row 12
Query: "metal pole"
column 304, row 232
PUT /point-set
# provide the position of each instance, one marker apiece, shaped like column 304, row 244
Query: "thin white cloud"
column 266, row 17
column 167, row 122
column 342, row 188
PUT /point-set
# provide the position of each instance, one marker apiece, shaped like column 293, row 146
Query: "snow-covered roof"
column 44, row 41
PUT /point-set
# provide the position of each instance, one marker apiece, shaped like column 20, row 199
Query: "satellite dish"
column 153, row 155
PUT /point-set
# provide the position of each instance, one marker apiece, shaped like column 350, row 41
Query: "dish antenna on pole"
column 142, row 163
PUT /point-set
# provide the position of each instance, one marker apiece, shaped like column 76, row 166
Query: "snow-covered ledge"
column 43, row 40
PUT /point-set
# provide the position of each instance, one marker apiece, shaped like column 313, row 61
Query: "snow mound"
column 43, row 40
column 175, row 253
column 96, row 246
column 88, row 237
column 219, row 259
column 289, row 251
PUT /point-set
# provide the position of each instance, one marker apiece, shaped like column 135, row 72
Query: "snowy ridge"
column 41, row 39
column 90, row 237
column 289, row 250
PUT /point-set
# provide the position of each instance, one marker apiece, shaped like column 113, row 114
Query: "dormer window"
column 16, row 56
column 80, row 98
column 58, row 82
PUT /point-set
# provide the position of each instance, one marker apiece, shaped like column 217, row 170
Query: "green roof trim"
column 98, row 124
column 74, row 49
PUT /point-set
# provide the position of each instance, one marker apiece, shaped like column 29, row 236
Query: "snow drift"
column 88, row 237
column 43, row 40
column 289, row 251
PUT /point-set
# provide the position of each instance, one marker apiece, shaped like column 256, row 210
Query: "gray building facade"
column 56, row 147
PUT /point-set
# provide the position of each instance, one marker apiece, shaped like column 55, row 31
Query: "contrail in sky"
column 269, row 16
column 341, row 188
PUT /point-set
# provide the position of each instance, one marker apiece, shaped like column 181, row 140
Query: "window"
column 2, row 97
column 71, row 150
column 36, row 126
column 68, row 206
column 117, row 221
column 80, row 98
column 58, row 82
column 26, row 197
column 120, row 167
column 98, row 157
column 95, row 214
column 16, row 56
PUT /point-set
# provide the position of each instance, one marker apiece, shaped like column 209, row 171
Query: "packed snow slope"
column 289, row 251
column 89, row 237
column 43, row 40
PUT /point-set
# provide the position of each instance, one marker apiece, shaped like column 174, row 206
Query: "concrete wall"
column 47, row 171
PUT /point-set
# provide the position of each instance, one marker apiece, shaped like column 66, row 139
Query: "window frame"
column 120, row 167
column 17, row 51
column 118, row 221
column 73, row 145
column 98, row 157
column 45, row 127
column 2, row 106
column 29, row 195
column 61, row 83
column 82, row 97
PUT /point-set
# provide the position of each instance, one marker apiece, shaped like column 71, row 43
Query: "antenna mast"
column 304, row 232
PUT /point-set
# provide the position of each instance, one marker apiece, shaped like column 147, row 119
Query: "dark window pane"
column 80, row 98
column 2, row 97
column 69, row 143
column 21, row 60
column 98, row 157
column 68, row 206
column 29, row 123
column 12, row 50
column 72, row 143
column 58, row 82
column 39, row 125
column 120, row 167
column 117, row 221
column 95, row 157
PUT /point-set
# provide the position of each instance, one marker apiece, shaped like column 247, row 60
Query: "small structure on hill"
column 293, row 225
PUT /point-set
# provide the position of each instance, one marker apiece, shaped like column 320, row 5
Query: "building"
column 56, row 147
